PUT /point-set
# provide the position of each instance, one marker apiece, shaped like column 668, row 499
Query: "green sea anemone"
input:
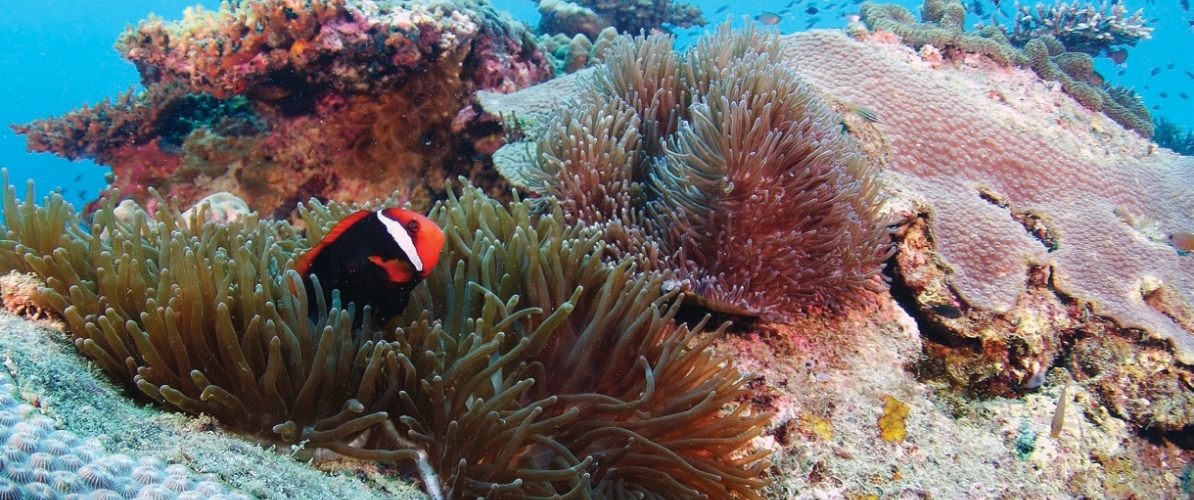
column 526, row 365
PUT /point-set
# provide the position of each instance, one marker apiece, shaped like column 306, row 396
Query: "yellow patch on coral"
column 814, row 426
column 892, row 423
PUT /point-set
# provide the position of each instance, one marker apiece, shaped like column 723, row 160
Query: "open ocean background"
column 58, row 54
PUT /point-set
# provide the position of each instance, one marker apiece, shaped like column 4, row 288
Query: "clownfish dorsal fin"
column 303, row 265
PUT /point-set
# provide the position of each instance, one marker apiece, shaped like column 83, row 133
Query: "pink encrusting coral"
column 1012, row 192
column 277, row 101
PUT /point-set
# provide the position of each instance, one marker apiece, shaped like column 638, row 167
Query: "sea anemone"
column 724, row 167
column 526, row 366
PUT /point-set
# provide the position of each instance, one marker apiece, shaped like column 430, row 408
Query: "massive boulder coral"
column 1047, row 223
column 278, row 101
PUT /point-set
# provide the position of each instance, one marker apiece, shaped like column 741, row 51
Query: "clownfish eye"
column 412, row 226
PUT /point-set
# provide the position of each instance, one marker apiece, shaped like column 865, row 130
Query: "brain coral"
column 984, row 148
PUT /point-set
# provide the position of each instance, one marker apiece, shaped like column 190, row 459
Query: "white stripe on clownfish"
column 402, row 238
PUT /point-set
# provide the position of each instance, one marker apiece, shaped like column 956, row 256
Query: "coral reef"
column 97, row 132
column 683, row 161
column 1024, row 244
column 1030, row 225
column 19, row 297
column 40, row 461
column 589, row 17
column 1075, row 71
column 1085, row 28
column 1051, row 56
column 829, row 381
column 276, row 102
column 55, row 380
column 942, row 27
column 205, row 317
column 573, row 54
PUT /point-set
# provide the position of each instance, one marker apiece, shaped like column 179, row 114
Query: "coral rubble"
column 278, row 101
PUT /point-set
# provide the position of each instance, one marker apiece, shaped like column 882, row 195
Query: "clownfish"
column 374, row 259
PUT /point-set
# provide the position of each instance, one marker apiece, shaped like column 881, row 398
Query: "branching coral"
column 529, row 366
column 1083, row 28
column 722, row 166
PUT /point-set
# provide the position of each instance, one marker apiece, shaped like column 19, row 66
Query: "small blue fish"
column 812, row 22
column 811, row 10
column 769, row 18
column 721, row 9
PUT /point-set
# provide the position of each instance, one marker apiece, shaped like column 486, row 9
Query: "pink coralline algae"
column 981, row 157
column 278, row 101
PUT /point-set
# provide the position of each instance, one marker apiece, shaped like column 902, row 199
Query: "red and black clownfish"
column 374, row 259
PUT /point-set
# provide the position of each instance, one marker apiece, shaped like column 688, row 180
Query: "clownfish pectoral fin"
column 396, row 270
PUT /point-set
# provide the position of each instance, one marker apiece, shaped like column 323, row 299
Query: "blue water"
column 57, row 55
